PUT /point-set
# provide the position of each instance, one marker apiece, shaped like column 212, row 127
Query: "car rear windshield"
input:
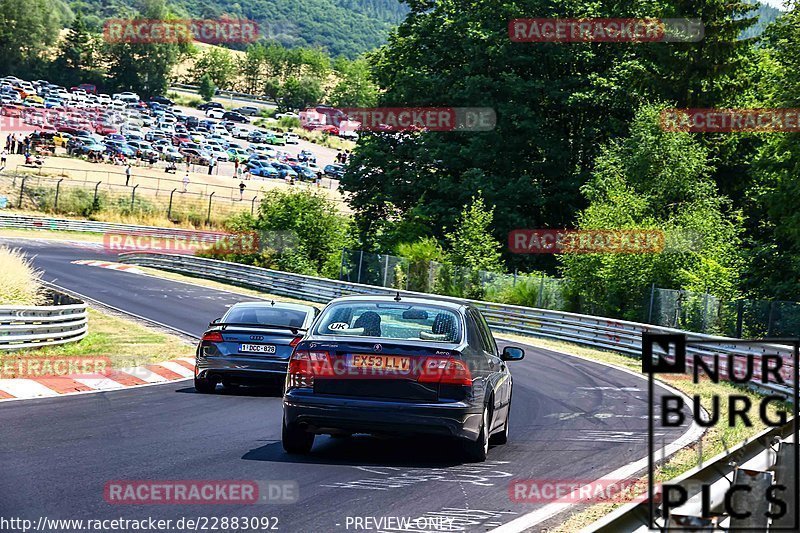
column 391, row 321
column 268, row 316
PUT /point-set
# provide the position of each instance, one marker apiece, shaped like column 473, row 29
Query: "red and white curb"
column 109, row 264
column 45, row 387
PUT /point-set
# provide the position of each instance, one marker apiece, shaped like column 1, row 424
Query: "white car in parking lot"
column 215, row 112
column 126, row 97
column 238, row 132
column 292, row 138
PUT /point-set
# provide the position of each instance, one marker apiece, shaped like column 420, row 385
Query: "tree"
column 655, row 180
column 471, row 242
column 76, row 53
column 27, row 29
column 300, row 93
column 144, row 68
column 556, row 105
column 251, row 68
column 206, row 88
column 219, row 65
column 355, row 87
column 774, row 194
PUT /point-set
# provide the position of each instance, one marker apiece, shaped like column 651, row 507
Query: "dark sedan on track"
column 250, row 344
column 399, row 366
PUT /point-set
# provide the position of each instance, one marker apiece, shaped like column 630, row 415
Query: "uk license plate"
column 380, row 362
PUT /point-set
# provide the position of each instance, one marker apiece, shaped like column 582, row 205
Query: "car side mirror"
column 512, row 353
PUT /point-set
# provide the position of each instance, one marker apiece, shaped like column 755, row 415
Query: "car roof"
column 272, row 304
column 443, row 301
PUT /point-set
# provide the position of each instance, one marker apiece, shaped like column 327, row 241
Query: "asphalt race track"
column 571, row 419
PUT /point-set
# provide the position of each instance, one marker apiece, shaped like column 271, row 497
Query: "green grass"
column 124, row 342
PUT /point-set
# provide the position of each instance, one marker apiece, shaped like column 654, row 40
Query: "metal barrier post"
column 785, row 475
column 771, row 319
column 169, row 209
column 133, row 195
column 58, row 189
column 541, row 293
column 208, row 217
column 739, row 313
column 21, row 190
column 94, row 201
column 652, row 301
column 252, row 205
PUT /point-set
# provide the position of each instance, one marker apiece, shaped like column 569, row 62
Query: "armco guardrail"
column 221, row 93
column 91, row 226
column 768, row 459
column 618, row 335
column 34, row 326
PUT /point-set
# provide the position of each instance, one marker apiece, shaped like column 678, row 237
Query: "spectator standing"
column 127, row 174
column 211, row 164
column 3, row 158
column 186, row 182
column 241, row 190
column 236, row 168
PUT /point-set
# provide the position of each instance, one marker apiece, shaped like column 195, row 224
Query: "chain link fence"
column 148, row 200
column 698, row 312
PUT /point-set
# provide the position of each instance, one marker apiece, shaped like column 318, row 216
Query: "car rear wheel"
column 477, row 450
column 204, row 386
column 502, row 437
column 295, row 440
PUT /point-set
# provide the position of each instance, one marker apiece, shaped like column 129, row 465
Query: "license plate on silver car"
column 257, row 348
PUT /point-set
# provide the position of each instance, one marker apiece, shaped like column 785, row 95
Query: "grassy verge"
column 712, row 443
column 51, row 234
column 19, row 281
column 316, row 137
column 124, row 342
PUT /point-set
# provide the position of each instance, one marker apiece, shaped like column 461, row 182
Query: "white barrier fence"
column 92, row 226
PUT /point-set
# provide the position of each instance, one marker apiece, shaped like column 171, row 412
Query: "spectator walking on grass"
column 127, row 174
column 241, row 190
column 3, row 158
column 186, row 181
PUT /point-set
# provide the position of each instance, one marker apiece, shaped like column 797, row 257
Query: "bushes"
column 299, row 231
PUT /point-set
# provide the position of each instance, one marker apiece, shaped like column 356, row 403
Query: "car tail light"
column 304, row 365
column 212, row 336
column 446, row 370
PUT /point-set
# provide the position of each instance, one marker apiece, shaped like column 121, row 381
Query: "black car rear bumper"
column 328, row 414
column 218, row 368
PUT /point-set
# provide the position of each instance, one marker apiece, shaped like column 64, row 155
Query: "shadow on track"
column 259, row 391
column 365, row 450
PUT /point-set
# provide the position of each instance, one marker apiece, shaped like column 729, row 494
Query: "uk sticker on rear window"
column 337, row 326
